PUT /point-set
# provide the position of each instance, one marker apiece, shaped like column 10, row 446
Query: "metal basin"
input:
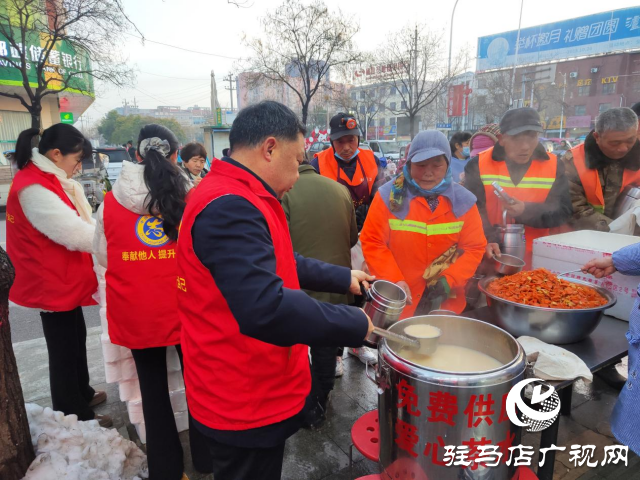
column 507, row 264
column 551, row 325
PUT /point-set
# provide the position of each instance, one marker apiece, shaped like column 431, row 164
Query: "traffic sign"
column 66, row 117
column 443, row 126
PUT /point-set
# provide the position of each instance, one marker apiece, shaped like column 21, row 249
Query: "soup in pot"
column 452, row 358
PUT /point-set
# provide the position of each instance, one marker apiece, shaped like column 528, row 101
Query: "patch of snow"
column 74, row 450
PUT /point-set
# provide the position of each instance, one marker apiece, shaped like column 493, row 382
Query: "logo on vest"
column 149, row 231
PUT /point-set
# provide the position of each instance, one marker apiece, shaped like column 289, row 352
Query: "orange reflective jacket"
column 534, row 187
column 590, row 179
column 328, row 166
column 397, row 250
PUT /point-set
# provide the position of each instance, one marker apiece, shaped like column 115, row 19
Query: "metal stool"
column 365, row 436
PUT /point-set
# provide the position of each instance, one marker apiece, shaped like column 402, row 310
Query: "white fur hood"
column 130, row 190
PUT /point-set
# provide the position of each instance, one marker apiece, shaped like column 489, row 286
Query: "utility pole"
column 414, row 101
column 451, row 37
column 515, row 61
column 229, row 78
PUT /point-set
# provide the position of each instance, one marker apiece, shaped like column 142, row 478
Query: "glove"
column 433, row 297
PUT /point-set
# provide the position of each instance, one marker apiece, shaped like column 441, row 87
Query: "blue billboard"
column 591, row 35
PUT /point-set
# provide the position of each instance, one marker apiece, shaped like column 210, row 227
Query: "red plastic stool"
column 365, row 436
column 370, row 477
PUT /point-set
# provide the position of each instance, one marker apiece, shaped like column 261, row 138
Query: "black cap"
column 343, row 124
column 520, row 120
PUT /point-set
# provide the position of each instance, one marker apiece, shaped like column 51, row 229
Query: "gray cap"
column 520, row 120
column 429, row 144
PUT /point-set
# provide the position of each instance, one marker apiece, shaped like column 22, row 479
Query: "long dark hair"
column 61, row 136
column 166, row 183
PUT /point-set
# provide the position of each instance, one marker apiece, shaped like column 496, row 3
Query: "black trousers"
column 323, row 372
column 236, row 463
column 164, row 450
column 66, row 337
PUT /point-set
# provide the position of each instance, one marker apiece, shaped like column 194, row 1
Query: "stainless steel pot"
column 512, row 238
column 384, row 305
column 401, row 382
column 551, row 325
column 625, row 200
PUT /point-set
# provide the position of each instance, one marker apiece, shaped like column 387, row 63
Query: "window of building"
column 381, row 107
column 382, row 122
column 584, row 91
column 608, row 88
column 604, row 107
column 393, row 91
column 392, row 121
column 362, row 94
column 482, row 83
column 392, row 106
column 383, row 91
column 372, row 93
column 372, row 123
column 403, row 105
column 362, row 109
column 405, row 89
column 353, row 95
column 580, row 110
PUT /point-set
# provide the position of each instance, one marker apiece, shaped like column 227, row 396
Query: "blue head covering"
column 398, row 193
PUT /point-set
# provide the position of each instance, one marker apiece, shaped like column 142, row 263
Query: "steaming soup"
column 452, row 358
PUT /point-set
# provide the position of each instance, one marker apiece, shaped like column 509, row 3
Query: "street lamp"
column 564, row 90
column 451, row 37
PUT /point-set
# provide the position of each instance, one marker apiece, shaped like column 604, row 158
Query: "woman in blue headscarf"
column 423, row 231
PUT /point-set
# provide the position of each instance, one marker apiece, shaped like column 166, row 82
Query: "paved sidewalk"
column 324, row 454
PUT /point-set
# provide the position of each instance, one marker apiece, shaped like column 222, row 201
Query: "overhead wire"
column 181, row 48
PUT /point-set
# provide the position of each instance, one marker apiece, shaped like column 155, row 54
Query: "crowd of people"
column 223, row 257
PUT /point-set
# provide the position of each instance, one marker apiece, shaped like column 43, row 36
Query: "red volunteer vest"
column 534, row 187
column 361, row 185
column 591, row 180
column 142, row 303
column 235, row 382
column 48, row 275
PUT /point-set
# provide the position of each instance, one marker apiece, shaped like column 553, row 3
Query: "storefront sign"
column 579, row 121
column 610, row 80
column 590, row 35
column 63, row 62
column 584, row 82
column 66, row 117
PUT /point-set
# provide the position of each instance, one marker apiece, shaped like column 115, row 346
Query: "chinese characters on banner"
column 458, row 101
column 482, row 409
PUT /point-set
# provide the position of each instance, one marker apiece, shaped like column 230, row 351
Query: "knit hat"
column 485, row 138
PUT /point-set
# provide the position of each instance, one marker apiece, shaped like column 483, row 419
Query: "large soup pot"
column 421, row 410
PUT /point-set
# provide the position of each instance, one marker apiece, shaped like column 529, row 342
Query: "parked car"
column 94, row 178
column 116, row 155
column 388, row 149
column 317, row 147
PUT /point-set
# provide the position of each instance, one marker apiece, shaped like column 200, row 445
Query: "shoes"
column 365, row 355
column 104, row 420
column 98, row 398
column 314, row 417
column 611, row 377
column 339, row 367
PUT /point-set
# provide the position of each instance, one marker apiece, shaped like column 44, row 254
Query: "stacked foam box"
column 121, row 369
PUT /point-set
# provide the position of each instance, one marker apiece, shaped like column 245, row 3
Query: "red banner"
column 454, row 104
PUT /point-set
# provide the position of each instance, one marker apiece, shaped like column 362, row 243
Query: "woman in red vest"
column 136, row 242
column 49, row 240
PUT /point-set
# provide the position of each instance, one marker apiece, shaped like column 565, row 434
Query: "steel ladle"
column 424, row 346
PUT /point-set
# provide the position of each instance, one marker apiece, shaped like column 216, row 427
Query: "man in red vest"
column 246, row 323
column 533, row 178
column 347, row 164
column 601, row 168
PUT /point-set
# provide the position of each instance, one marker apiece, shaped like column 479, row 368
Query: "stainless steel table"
column 604, row 347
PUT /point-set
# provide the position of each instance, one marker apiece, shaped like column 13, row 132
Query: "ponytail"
column 63, row 137
column 166, row 183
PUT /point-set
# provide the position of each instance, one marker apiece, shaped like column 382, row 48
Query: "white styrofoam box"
column 134, row 409
column 570, row 251
column 110, row 352
column 178, row 400
column 112, row 372
column 129, row 390
column 173, row 360
column 141, row 429
column 128, row 367
column 175, row 381
column 182, row 421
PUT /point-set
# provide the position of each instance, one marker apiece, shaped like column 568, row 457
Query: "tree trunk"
column 36, row 115
column 305, row 112
column 16, row 450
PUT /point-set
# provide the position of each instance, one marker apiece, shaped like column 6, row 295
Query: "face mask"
column 348, row 159
column 466, row 151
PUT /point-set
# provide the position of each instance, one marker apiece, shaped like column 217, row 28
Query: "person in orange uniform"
column 533, row 178
column 424, row 231
column 347, row 164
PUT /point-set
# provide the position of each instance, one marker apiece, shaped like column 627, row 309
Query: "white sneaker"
column 365, row 355
column 339, row 367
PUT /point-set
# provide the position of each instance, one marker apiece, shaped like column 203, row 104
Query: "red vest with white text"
column 142, row 303
column 235, row 382
column 48, row 275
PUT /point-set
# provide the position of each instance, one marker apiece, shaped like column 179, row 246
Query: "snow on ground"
column 73, row 450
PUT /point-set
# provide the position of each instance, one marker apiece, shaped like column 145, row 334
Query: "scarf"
column 404, row 181
column 71, row 187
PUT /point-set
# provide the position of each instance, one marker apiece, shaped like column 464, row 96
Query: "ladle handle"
column 409, row 342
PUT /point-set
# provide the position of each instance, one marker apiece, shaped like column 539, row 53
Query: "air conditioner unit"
column 594, row 70
column 573, row 75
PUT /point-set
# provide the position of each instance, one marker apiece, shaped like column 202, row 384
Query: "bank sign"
column 591, row 35
column 63, row 62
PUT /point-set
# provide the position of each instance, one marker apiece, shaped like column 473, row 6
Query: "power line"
column 178, row 78
column 181, row 48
